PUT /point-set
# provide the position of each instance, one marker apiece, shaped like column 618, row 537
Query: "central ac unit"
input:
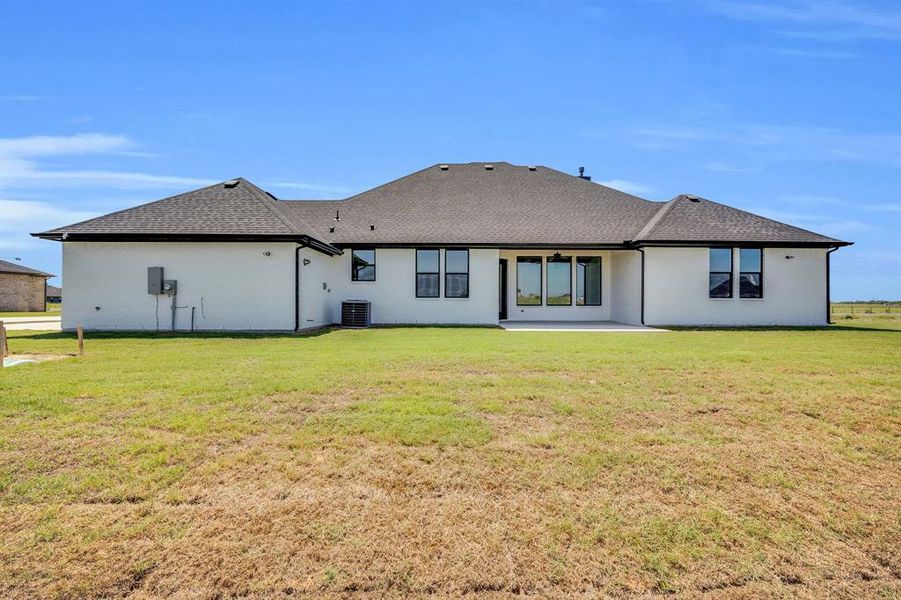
column 355, row 313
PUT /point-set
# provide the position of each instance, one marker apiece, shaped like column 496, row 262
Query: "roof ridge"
column 597, row 183
column 655, row 220
column 407, row 176
column 272, row 204
column 263, row 197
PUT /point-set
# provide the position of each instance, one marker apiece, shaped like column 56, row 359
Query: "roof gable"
column 220, row 209
column 691, row 218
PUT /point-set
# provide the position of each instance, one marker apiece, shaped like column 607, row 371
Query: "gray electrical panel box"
column 155, row 280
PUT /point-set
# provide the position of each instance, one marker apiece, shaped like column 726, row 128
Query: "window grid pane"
column 528, row 281
column 559, row 281
column 720, row 280
column 456, row 261
column 588, row 281
column 456, row 273
column 456, row 285
column 427, row 285
column 428, row 274
column 721, row 285
column 750, row 277
column 362, row 265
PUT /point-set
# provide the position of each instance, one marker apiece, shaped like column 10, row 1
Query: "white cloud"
column 813, row 200
column 825, row 224
column 309, row 187
column 20, row 212
column 886, row 207
column 725, row 167
column 19, row 166
column 49, row 145
column 26, row 174
column 630, row 187
column 22, row 98
column 807, row 53
column 779, row 142
column 827, row 20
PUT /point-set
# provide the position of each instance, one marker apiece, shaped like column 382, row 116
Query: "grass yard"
column 53, row 310
column 868, row 311
column 449, row 460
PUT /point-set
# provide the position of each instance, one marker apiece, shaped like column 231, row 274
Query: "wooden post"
column 80, row 333
column 2, row 343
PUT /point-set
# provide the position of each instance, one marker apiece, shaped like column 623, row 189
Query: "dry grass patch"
column 445, row 461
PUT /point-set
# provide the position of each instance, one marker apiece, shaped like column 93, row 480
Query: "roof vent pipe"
column 489, row 167
column 582, row 174
column 443, row 167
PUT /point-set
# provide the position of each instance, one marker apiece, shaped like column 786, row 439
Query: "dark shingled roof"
column 54, row 291
column 469, row 204
column 9, row 267
column 464, row 204
column 220, row 209
column 691, row 218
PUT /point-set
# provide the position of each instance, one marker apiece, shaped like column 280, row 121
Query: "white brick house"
column 468, row 243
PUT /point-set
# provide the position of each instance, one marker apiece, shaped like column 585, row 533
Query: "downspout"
column 297, row 250
column 642, row 284
column 828, row 300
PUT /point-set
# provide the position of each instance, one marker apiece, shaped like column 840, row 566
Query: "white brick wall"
column 230, row 285
column 676, row 289
column 393, row 293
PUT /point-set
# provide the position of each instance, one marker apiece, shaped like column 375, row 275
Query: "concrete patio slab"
column 35, row 323
column 602, row 326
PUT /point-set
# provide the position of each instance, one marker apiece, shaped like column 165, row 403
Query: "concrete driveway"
column 36, row 323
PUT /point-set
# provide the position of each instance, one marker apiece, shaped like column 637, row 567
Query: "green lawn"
column 453, row 460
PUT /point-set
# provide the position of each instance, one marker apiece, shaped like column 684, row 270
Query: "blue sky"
column 791, row 110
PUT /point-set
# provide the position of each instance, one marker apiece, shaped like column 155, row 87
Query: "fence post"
column 2, row 342
column 80, row 333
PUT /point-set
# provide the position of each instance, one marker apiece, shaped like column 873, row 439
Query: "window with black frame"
column 456, row 273
column 559, row 281
column 720, row 282
column 428, row 273
column 750, row 277
column 588, row 281
column 528, row 281
column 362, row 264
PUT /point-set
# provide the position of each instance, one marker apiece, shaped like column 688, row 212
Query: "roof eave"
column 62, row 236
column 748, row 243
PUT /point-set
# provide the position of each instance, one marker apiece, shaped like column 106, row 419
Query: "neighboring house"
column 458, row 243
column 54, row 294
column 22, row 288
